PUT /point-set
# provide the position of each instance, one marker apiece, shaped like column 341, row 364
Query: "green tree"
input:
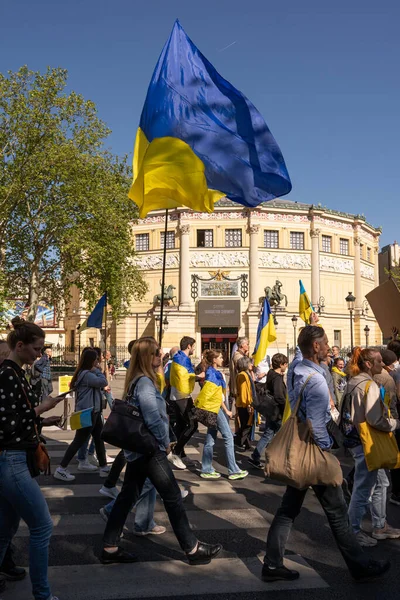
column 64, row 211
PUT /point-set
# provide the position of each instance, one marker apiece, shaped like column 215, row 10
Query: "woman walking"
column 213, row 398
column 88, row 381
column 246, row 392
column 362, row 402
column 20, row 494
column 141, row 391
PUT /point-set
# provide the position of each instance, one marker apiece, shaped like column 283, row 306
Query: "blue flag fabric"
column 96, row 317
column 200, row 138
column 265, row 333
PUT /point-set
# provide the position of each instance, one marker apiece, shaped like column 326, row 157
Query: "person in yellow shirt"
column 245, row 393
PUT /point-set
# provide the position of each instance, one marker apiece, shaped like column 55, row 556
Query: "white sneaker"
column 176, row 461
column 110, row 492
column 104, row 471
column 184, row 494
column 110, row 459
column 84, row 465
column 93, row 460
column 63, row 474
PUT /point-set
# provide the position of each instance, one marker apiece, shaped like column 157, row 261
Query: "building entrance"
column 219, row 338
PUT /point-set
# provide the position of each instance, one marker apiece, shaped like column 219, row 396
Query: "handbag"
column 206, row 417
column 295, row 459
column 264, row 403
column 41, row 456
column 126, row 429
column 380, row 447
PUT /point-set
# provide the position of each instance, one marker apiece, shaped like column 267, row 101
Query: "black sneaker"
column 121, row 556
column 278, row 574
column 255, row 463
column 11, row 572
column 395, row 499
column 375, row 569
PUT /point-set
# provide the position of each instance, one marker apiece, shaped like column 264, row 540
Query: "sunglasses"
column 157, row 353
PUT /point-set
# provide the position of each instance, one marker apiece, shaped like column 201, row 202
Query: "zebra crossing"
column 233, row 513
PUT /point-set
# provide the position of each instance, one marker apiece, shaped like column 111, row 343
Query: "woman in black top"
column 276, row 386
column 20, row 494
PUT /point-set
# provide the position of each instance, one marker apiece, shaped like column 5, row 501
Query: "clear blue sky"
column 325, row 75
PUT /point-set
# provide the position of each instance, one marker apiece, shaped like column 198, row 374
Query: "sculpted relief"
column 338, row 265
column 154, row 261
column 284, row 261
column 219, row 259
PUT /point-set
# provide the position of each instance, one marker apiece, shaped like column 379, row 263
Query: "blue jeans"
column 369, row 491
column 21, row 498
column 84, row 451
column 225, row 430
column 144, row 513
column 270, row 430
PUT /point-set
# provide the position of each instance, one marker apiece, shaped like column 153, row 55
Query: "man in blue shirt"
column 314, row 408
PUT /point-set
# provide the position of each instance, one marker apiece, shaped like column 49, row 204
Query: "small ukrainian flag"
column 182, row 375
column 265, row 333
column 81, row 419
column 305, row 307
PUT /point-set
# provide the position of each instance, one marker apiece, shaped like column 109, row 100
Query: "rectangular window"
column 337, row 338
column 233, row 238
column 170, row 239
column 205, row 238
column 271, row 239
column 297, row 240
column 344, row 247
column 142, row 241
column 369, row 254
column 326, row 243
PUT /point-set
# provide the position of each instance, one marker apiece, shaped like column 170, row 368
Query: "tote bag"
column 295, row 459
column 380, row 447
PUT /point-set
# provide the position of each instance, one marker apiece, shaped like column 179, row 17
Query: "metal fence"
column 66, row 358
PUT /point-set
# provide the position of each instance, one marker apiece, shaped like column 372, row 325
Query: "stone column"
column 357, row 273
column 315, row 290
column 376, row 265
column 184, row 268
column 254, row 279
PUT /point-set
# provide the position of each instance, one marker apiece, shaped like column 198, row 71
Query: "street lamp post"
column 294, row 323
column 350, row 299
column 366, row 331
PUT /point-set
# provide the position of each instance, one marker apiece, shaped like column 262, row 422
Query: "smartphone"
column 65, row 393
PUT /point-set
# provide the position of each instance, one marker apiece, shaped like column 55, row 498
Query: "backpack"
column 347, row 427
column 264, row 403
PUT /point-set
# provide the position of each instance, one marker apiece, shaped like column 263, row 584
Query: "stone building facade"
column 218, row 266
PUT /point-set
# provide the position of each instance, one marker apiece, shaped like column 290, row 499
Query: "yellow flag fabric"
column 210, row 397
column 305, row 307
column 266, row 333
column 182, row 375
column 287, row 412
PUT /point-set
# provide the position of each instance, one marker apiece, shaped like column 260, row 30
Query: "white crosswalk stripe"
column 213, row 506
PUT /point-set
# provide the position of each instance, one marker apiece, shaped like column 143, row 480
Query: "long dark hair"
column 86, row 362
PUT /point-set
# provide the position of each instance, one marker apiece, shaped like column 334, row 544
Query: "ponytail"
column 359, row 358
column 209, row 356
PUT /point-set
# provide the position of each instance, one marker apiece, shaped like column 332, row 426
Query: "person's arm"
column 279, row 391
column 95, row 378
column 376, row 413
column 146, row 393
column 317, row 400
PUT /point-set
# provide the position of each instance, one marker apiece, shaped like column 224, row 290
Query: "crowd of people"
column 336, row 396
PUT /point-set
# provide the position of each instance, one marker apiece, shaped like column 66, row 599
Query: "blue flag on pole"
column 96, row 317
column 265, row 333
column 200, row 138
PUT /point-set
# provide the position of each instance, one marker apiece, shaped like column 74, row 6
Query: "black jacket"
column 277, row 388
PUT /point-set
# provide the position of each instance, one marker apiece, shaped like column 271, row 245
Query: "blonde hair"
column 141, row 362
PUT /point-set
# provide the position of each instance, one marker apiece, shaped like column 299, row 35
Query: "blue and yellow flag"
column 182, row 376
column 96, row 317
column 211, row 395
column 265, row 333
column 200, row 139
column 305, row 307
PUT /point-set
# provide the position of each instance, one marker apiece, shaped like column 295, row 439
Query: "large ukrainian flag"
column 200, row 138
column 265, row 333
column 211, row 395
column 182, row 375
column 305, row 307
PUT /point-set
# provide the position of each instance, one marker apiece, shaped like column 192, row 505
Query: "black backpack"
column 264, row 403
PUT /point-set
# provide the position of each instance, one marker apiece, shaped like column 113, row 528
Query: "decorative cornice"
column 184, row 229
column 253, row 229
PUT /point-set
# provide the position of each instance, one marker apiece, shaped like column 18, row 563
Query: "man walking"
column 314, row 408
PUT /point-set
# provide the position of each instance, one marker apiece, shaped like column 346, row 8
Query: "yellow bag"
column 380, row 447
column 287, row 412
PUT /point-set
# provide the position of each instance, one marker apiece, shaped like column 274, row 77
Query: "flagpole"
column 160, row 334
column 105, row 335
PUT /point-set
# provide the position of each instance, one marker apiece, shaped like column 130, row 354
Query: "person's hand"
column 201, row 375
column 49, row 421
column 168, row 449
column 229, row 413
column 48, row 403
column 250, row 410
column 314, row 318
column 107, row 389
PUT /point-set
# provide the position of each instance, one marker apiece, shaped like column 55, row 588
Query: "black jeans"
column 158, row 469
column 82, row 437
column 243, row 433
column 395, row 473
column 115, row 471
column 186, row 424
column 332, row 501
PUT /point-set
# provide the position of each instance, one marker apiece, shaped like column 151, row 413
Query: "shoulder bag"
column 295, row 459
column 126, row 429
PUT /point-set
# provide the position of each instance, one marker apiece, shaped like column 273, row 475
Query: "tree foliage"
column 64, row 211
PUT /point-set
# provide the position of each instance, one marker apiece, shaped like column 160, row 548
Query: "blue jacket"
column 315, row 406
column 152, row 406
column 88, row 390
